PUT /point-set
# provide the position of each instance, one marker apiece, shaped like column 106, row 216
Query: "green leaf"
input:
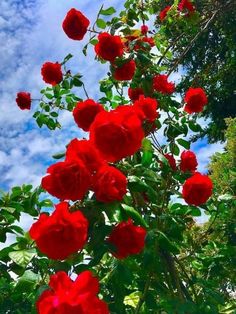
column 136, row 184
column 108, row 11
column 59, row 155
column 166, row 244
column 195, row 211
column 67, row 58
column 194, row 127
column 132, row 299
column 132, row 213
column 101, row 23
column 184, row 143
column 174, row 149
column 27, row 281
column 22, row 257
column 49, row 96
column 93, row 41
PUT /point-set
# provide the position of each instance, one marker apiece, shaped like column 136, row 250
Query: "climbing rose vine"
column 127, row 192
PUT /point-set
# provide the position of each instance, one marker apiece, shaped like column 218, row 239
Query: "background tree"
column 207, row 57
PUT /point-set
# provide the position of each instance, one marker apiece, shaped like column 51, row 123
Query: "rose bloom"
column 110, row 184
column 148, row 106
column 144, row 29
column 75, row 24
column 171, row 161
column 188, row 161
column 85, row 112
column 86, row 152
column 61, row 234
column 186, row 5
column 197, row 189
column 67, row 180
column 127, row 239
column 109, row 47
column 134, row 93
column 23, row 100
column 161, row 84
column 195, row 99
column 52, row 73
column 118, row 133
column 147, row 40
column 66, row 296
column 164, row 12
column 125, row 72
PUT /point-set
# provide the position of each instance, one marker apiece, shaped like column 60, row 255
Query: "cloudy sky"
column 30, row 34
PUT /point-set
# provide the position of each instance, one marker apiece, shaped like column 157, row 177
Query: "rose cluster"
column 89, row 164
column 197, row 188
column 66, row 296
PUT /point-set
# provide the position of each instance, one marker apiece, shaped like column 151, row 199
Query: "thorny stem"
column 85, row 91
column 143, row 296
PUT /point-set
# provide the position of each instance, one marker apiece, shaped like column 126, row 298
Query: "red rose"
column 144, row 29
column 125, row 72
column 147, row 40
column 75, row 24
column 61, row 234
column 23, row 100
column 164, row 12
column 197, row 189
column 148, row 106
column 67, row 180
column 51, row 73
column 195, row 99
column 188, row 161
column 109, row 184
column 71, row 297
column 86, row 152
column 109, row 47
column 161, row 84
column 85, row 112
column 127, row 239
column 134, row 93
column 186, row 5
column 171, row 161
column 118, row 133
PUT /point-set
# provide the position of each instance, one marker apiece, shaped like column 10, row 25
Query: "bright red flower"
column 171, row 161
column 147, row 40
column 52, row 73
column 110, row 184
column 125, row 72
column 61, row 234
column 148, row 106
column 75, row 24
column 86, row 152
column 161, row 84
column 144, row 29
column 134, row 93
column 109, row 47
column 23, row 100
column 197, row 189
column 72, row 297
column 195, row 99
column 67, row 180
column 188, row 161
column 118, row 133
column 85, row 112
column 164, row 12
column 186, row 5
column 127, row 239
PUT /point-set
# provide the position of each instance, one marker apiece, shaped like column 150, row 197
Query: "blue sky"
column 31, row 33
